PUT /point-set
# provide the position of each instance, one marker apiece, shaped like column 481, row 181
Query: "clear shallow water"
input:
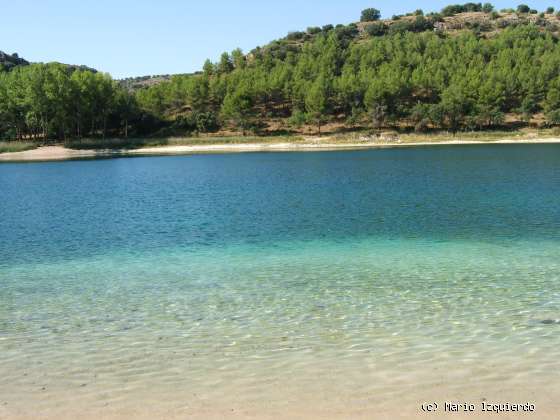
column 340, row 279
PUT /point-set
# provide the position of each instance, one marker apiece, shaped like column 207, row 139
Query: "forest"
column 468, row 67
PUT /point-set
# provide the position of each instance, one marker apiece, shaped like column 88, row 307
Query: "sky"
column 147, row 37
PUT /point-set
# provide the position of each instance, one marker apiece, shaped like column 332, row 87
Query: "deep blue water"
column 77, row 209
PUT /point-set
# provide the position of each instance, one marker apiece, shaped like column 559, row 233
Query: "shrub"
column 523, row 8
column 295, row 36
column 206, row 122
column 550, row 10
column 422, row 24
column 297, row 119
column 400, row 27
column 376, row 29
column 502, row 24
column 370, row 15
column 487, row 8
column 313, row 30
column 435, row 17
column 454, row 9
column 347, row 32
column 419, row 24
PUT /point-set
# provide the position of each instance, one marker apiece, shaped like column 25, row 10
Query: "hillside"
column 347, row 76
column 483, row 24
column 465, row 68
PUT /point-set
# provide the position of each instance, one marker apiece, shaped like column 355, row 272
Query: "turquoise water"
column 209, row 283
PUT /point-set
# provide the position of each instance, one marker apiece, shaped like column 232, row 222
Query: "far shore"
column 55, row 153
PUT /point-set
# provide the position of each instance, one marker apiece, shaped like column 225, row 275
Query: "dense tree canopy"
column 58, row 101
column 419, row 79
column 395, row 73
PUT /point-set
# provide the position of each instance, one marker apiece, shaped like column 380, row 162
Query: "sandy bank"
column 53, row 153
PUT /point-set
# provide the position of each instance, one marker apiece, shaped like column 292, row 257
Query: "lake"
column 334, row 284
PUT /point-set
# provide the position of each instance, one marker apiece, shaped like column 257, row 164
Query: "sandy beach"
column 55, row 153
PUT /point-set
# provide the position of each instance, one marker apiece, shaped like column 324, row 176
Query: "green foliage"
column 44, row 101
column 487, row 8
column 376, row 29
column 226, row 64
column 316, row 101
column 237, row 108
column 552, row 103
column 370, row 15
column 296, row 36
column 523, row 8
column 550, row 10
column 297, row 119
column 419, row 24
column 406, row 75
column 454, row 9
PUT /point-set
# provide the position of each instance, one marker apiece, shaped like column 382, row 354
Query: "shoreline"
column 60, row 153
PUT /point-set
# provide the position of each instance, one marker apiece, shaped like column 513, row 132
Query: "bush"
column 422, row 24
column 480, row 26
column 419, row 24
column 327, row 28
column 550, row 10
column 494, row 15
column 296, row 36
column 347, row 32
column 370, row 15
column 206, row 122
column 454, row 9
column 435, row 17
column 376, row 29
column 523, row 8
column 313, row 30
column 472, row 7
column 553, row 117
column 400, row 27
column 502, row 24
column 487, row 8
column 297, row 119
